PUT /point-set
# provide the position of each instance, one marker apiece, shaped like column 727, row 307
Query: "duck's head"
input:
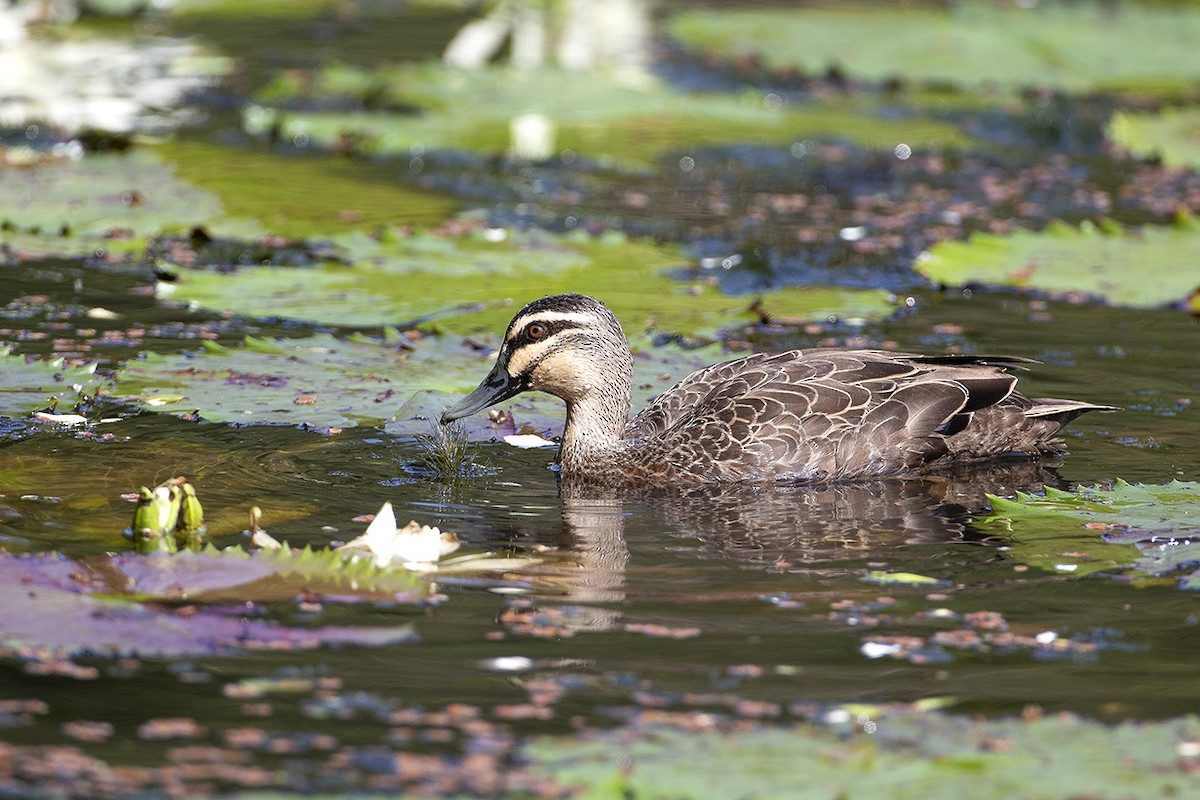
column 568, row 345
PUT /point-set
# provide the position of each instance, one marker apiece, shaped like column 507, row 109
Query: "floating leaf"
column 625, row 122
column 1143, row 530
column 277, row 191
column 1128, row 268
column 131, row 192
column 347, row 383
column 28, row 383
column 932, row 756
column 1079, row 47
column 1172, row 135
column 54, row 610
column 232, row 574
column 475, row 283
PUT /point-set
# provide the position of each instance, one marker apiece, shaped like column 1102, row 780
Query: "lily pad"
column 328, row 383
column 1138, row 268
column 27, row 383
column 1172, row 135
column 54, row 610
column 101, row 202
column 299, row 195
column 1139, row 530
column 1076, row 46
column 625, row 123
column 911, row 755
column 475, row 282
column 234, row 575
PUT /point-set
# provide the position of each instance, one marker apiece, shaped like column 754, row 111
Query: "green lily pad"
column 320, row 381
column 302, row 196
column 474, row 283
column 1076, row 46
column 1139, row 530
column 131, row 192
column 932, row 756
column 234, row 575
column 325, row 382
column 28, row 384
column 1172, row 135
column 624, row 123
column 1125, row 267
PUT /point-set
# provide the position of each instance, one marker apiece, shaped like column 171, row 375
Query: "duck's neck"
column 595, row 429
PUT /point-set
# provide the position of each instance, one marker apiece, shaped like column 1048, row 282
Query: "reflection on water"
column 806, row 527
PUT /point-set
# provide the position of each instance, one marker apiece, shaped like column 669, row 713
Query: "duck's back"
column 837, row 414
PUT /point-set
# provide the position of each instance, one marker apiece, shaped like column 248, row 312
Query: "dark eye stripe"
column 551, row 327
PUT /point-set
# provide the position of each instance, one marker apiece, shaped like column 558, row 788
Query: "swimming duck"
column 801, row 415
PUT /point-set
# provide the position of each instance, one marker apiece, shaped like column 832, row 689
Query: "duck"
column 809, row 415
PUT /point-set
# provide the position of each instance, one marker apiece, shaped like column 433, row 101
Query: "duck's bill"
column 496, row 387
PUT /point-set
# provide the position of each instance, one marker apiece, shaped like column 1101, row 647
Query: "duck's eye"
column 536, row 330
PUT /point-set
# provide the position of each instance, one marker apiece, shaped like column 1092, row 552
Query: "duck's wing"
column 1018, row 424
column 818, row 414
column 682, row 399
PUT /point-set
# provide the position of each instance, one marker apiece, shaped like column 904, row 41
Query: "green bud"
column 151, row 534
column 189, row 530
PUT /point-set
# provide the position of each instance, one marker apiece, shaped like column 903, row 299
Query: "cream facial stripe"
column 524, row 355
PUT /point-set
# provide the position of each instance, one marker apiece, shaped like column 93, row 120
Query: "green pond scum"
column 277, row 286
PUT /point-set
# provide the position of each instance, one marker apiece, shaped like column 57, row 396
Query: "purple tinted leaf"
column 51, row 610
